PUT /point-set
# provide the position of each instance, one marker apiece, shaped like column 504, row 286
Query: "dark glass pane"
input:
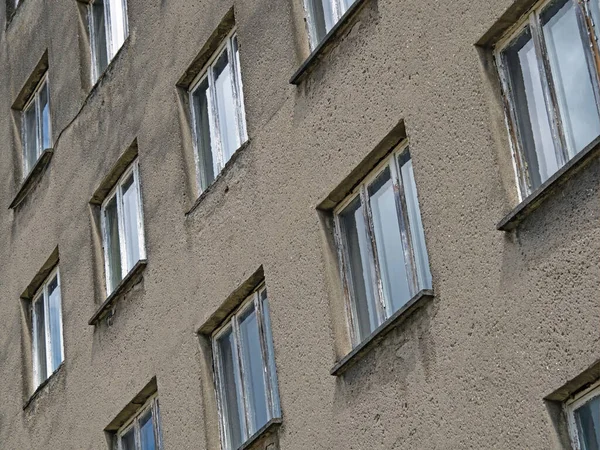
column 147, row 432
column 208, row 161
column 45, row 116
column 588, row 424
column 321, row 12
column 30, row 138
column 113, row 242
column 271, row 353
column 55, row 322
column 128, row 440
column 99, row 36
column 39, row 336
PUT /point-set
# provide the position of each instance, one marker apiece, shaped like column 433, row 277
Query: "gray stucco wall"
column 515, row 316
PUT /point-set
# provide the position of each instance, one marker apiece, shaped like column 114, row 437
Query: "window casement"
column 245, row 375
column 550, row 78
column 36, row 125
column 143, row 431
column 109, row 28
column 381, row 245
column 583, row 415
column 322, row 15
column 123, row 228
column 47, row 329
column 217, row 109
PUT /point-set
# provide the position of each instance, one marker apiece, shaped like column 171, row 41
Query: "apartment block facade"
column 299, row 224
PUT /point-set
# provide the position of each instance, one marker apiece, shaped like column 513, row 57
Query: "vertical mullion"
column 121, row 228
column 60, row 318
column 109, row 30
column 140, row 210
column 214, row 113
column 236, row 80
column 93, row 40
column 558, row 133
column 337, row 9
column 241, row 372
column 264, row 354
column 374, row 262
column 137, row 432
column 107, row 268
column 592, row 52
column 156, row 422
column 38, row 122
column 49, row 368
column 35, row 346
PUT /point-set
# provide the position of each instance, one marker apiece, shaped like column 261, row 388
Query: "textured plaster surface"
column 515, row 315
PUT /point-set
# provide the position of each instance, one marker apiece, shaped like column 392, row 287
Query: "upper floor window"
column 322, row 15
column 36, row 125
column 46, row 329
column 549, row 73
column 108, row 30
column 219, row 121
column 583, row 413
column 381, row 244
column 245, row 375
column 123, row 228
column 143, row 431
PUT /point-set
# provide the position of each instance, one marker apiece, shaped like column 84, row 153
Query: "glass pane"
column 39, row 338
column 131, row 208
column 230, row 394
column 354, row 234
column 271, row 353
column 416, row 226
column 588, row 424
column 226, row 107
column 239, row 87
column 45, row 116
column 147, row 432
column 208, row 163
column 55, row 321
column 388, row 239
column 321, row 14
column 113, row 250
column 530, row 109
column 571, row 77
column 99, row 36
column 346, row 4
column 118, row 24
column 254, row 379
column 30, row 144
column 128, row 440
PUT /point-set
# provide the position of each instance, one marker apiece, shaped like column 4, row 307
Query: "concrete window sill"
column 131, row 279
column 35, row 174
column 348, row 19
column 268, row 429
column 360, row 351
column 552, row 184
column 42, row 386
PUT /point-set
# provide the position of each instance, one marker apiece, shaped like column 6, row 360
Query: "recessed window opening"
column 322, row 15
column 143, row 431
column 217, row 109
column 36, row 125
column 583, row 414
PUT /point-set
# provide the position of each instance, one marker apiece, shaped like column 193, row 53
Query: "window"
column 36, row 125
column 583, row 413
column 108, row 30
column 143, row 431
column 123, row 228
column 219, row 121
column 322, row 15
column 381, row 244
column 550, row 80
column 245, row 373
column 46, row 328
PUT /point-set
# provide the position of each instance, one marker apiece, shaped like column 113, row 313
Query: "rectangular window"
column 322, row 15
column 36, row 135
column 108, row 30
column 219, row 121
column 46, row 327
column 245, row 374
column 549, row 75
column 123, row 228
column 381, row 244
column 143, row 431
column 583, row 413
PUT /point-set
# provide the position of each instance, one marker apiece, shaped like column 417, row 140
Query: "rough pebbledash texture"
column 515, row 315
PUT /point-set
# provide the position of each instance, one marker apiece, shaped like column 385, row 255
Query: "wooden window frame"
column 338, row 9
column 150, row 404
column 34, row 102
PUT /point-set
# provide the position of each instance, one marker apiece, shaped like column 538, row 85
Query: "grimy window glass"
column 247, row 391
column 322, row 15
column 36, row 135
column 143, row 431
column 47, row 329
column 108, row 30
column 217, row 105
column 550, row 82
column 583, row 413
column 123, row 228
column 381, row 244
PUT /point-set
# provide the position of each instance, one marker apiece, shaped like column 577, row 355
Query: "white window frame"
column 213, row 112
column 532, row 19
column 112, row 48
column 42, row 293
column 133, row 422
column 34, row 102
column 338, row 8
column 575, row 403
column 272, row 388
column 117, row 191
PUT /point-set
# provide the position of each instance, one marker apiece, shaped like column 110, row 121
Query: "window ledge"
column 35, row 174
column 131, row 279
column 348, row 19
column 41, row 387
column 536, row 198
column 268, row 429
column 360, row 351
